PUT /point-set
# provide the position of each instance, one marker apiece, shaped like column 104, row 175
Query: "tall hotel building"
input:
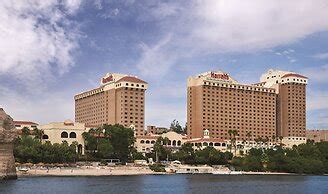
column 291, row 104
column 120, row 99
column 275, row 107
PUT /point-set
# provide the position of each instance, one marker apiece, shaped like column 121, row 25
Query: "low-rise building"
column 317, row 135
column 207, row 141
column 28, row 124
column 156, row 130
column 145, row 144
column 69, row 131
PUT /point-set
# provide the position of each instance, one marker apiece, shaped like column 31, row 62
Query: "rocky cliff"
column 7, row 137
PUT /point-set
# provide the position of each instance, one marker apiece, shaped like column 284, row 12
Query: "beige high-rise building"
column 218, row 103
column 272, row 108
column 119, row 100
column 291, row 104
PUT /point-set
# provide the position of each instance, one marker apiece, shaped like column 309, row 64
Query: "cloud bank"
column 218, row 26
column 35, row 40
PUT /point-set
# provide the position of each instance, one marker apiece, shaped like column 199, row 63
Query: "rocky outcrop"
column 7, row 137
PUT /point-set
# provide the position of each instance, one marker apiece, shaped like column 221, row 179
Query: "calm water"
column 169, row 184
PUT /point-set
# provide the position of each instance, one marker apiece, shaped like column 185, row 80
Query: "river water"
column 169, row 184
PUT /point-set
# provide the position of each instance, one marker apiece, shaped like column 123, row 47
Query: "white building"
column 145, row 144
column 29, row 124
column 58, row 132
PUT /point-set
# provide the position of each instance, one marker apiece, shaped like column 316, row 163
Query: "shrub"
column 157, row 168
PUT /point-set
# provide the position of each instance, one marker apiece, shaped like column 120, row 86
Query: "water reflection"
column 169, row 184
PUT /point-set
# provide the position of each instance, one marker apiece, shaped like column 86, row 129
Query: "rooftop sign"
column 107, row 79
column 223, row 76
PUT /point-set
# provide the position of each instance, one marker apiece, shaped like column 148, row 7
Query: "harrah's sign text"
column 220, row 76
column 107, row 79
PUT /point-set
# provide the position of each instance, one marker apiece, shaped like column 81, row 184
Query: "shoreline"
column 87, row 171
column 119, row 171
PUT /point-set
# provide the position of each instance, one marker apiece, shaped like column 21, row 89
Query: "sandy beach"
column 87, row 171
column 109, row 171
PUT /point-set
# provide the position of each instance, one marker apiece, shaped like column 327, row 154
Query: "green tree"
column 233, row 139
column 121, row 139
column 176, row 127
column 160, row 151
column 137, row 155
column 91, row 141
column 25, row 131
column 185, row 154
column 38, row 134
column 105, row 148
column 27, row 149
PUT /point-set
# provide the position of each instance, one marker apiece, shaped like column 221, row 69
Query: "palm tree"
column 266, row 141
column 281, row 138
column 258, row 140
column 25, row 131
column 158, row 147
column 165, row 141
column 273, row 138
column 249, row 135
column 233, row 134
column 230, row 135
column 38, row 133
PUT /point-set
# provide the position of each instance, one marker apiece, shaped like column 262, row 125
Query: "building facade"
column 156, row 130
column 28, row 124
column 218, row 103
column 145, row 143
column 119, row 100
column 317, row 135
column 267, row 110
column 58, row 132
column 291, row 104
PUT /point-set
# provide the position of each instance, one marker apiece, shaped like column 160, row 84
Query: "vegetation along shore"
column 116, row 141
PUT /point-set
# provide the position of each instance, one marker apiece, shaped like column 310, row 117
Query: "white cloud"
column 37, row 39
column 317, row 74
column 156, row 59
column 110, row 13
column 317, row 100
column 46, row 107
column 161, row 114
column 321, row 56
column 98, row 4
column 218, row 26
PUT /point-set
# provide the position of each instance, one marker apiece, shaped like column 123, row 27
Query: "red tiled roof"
column 131, row 79
column 205, row 140
column 294, row 75
column 147, row 137
column 92, row 126
column 24, row 123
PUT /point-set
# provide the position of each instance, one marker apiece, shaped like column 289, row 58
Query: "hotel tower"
column 291, row 104
column 120, row 99
column 270, row 109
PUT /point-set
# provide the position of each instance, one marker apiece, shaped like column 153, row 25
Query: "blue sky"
column 51, row 50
